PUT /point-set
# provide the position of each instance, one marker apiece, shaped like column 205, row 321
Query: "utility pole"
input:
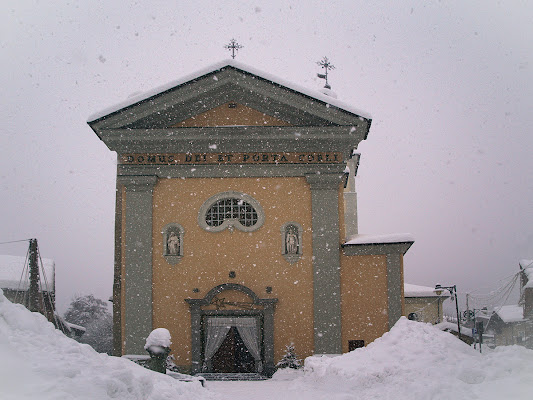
column 468, row 310
column 34, row 277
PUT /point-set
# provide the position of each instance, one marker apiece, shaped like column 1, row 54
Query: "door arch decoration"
column 266, row 314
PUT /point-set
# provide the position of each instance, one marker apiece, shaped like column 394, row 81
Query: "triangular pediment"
column 230, row 114
column 231, row 107
column 205, row 95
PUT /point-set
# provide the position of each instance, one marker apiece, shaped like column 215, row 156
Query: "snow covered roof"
column 422, row 291
column 377, row 239
column 512, row 313
column 12, row 267
column 527, row 267
column 325, row 98
column 451, row 326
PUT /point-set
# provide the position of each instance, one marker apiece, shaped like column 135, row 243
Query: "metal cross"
column 327, row 65
column 233, row 46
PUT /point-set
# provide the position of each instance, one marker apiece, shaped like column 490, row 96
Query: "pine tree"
column 290, row 358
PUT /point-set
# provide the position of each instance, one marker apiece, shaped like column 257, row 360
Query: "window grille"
column 231, row 208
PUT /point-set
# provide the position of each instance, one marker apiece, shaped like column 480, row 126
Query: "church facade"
column 236, row 224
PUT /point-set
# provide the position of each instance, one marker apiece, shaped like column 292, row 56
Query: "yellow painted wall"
column 255, row 257
column 225, row 116
column 363, row 298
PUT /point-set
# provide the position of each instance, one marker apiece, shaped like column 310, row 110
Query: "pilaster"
column 326, row 262
column 138, row 261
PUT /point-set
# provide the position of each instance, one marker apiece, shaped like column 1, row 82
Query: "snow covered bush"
column 290, row 358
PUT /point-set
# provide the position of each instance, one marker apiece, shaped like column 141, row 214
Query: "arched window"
column 231, row 210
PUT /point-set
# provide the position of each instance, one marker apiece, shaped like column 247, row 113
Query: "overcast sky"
column 449, row 156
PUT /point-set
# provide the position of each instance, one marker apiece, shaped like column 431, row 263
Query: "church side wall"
column 364, row 298
column 255, row 257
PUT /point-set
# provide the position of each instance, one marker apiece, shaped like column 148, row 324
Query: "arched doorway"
column 232, row 334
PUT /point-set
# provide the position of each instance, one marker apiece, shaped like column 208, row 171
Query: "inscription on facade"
column 231, row 158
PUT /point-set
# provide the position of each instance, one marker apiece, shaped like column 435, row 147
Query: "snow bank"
column 417, row 361
column 39, row 362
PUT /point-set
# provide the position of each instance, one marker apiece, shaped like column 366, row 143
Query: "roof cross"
column 233, row 46
column 327, row 65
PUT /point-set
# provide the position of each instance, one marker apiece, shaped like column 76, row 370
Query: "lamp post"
column 453, row 292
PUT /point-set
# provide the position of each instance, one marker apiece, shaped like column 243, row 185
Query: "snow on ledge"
column 410, row 290
column 379, row 239
column 137, row 97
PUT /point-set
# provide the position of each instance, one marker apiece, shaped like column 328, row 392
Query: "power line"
column 16, row 241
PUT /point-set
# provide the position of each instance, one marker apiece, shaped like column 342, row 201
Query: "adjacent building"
column 513, row 324
column 423, row 304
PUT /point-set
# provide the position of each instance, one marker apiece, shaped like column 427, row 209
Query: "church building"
column 236, row 223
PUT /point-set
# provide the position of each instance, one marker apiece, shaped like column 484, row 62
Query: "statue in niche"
column 173, row 244
column 291, row 240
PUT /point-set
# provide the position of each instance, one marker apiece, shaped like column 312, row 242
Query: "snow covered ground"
column 40, row 363
column 413, row 361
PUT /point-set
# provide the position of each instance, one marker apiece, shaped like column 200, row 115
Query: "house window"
column 229, row 210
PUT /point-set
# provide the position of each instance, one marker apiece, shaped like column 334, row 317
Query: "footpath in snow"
column 414, row 361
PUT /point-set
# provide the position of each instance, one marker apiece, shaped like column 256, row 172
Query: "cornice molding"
column 376, row 248
column 137, row 183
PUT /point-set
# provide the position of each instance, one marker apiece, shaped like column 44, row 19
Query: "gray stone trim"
column 230, row 171
column 172, row 259
column 235, row 139
column 138, row 260
column 350, row 199
column 326, row 262
column 117, row 276
column 376, row 248
column 231, row 223
column 291, row 257
column 267, row 313
column 231, row 84
column 394, row 287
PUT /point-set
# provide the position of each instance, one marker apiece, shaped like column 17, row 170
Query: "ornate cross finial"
column 233, row 46
column 327, row 65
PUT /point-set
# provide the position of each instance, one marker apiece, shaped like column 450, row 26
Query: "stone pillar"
column 350, row 201
column 196, row 336
column 268, row 338
column 138, row 261
column 394, row 287
column 326, row 262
